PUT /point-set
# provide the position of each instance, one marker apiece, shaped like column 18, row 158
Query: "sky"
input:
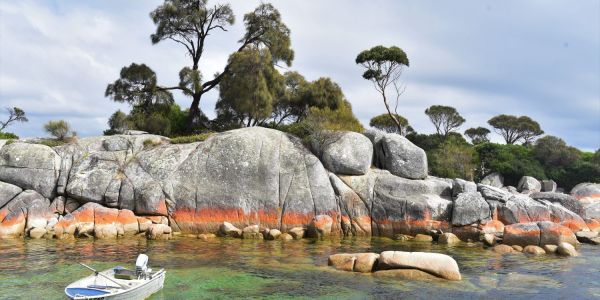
column 534, row 58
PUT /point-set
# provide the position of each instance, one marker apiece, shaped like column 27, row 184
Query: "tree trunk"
column 194, row 112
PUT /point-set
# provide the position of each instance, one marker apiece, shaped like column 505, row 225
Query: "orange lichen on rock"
column 13, row 224
column 575, row 225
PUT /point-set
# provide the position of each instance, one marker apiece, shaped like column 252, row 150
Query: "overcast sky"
column 535, row 58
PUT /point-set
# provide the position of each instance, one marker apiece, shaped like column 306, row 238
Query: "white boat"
column 118, row 283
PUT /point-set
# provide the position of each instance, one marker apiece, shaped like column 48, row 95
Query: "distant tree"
column 552, row 151
column 478, row 135
column 444, row 118
column 290, row 105
column 384, row 67
column 117, row 123
column 15, row 114
column 514, row 129
column 386, row 123
column 512, row 161
column 59, row 129
column 248, row 89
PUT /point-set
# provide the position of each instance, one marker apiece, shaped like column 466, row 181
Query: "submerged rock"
column 566, row 249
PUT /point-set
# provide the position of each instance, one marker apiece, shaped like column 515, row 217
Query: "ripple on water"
column 233, row 268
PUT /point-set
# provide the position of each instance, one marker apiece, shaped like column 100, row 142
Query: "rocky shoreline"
column 262, row 183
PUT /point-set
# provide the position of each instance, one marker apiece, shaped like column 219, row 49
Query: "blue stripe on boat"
column 72, row 292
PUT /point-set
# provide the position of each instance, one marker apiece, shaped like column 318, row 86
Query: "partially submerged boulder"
column 437, row 264
column 537, row 234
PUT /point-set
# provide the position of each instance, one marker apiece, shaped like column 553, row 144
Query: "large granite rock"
column 345, row 152
column 528, row 184
column 548, row 186
column 538, row 234
column 398, row 155
column 470, row 208
column 569, row 202
column 493, row 179
column 30, row 166
column 355, row 215
column 249, row 176
column 462, row 186
column 588, row 194
column 437, row 264
column 8, row 192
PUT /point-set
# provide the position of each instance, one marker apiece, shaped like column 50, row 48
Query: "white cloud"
column 484, row 58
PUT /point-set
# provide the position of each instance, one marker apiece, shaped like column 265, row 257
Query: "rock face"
column 249, row 176
column 398, row 155
column 462, row 186
column 346, row 152
column 493, row 179
column 8, row 192
column 470, row 208
column 538, row 234
column 588, row 194
column 548, row 186
column 434, row 263
column 30, row 166
column 528, row 184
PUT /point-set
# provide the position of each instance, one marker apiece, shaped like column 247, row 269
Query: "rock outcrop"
column 588, row 194
column 398, row 155
column 493, row 179
column 348, row 153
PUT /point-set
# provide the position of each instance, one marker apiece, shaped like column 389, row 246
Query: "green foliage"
column 379, row 60
column 445, row 118
column 384, row 66
column 191, row 138
column 325, row 119
column 512, row 161
column 564, row 164
column 453, row 158
column 386, row 123
column 52, row 143
column 117, row 123
column 59, row 129
column 248, row 89
column 478, row 135
column 429, row 142
column 15, row 114
column 514, row 129
column 264, row 27
column 8, row 136
column 137, row 86
column 164, row 120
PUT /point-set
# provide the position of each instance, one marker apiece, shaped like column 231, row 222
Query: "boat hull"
column 140, row 291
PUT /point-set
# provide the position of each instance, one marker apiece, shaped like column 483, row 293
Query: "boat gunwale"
column 154, row 277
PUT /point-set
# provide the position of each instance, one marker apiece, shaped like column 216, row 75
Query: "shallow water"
column 233, row 268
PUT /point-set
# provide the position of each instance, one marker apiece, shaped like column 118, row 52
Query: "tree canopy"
column 478, row 135
column 189, row 23
column 384, row 66
column 137, row 86
column 514, row 129
column 15, row 114
column 445, row 118
column 386, row 123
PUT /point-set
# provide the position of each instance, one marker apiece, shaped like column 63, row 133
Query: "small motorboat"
column 118, row 283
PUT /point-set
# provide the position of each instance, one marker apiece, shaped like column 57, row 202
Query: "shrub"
column 454, row 158
column 191, row 138
column 512, row 161
column 59, row 129
column 8, row 136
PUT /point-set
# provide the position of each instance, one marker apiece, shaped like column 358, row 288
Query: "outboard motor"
column 141, row 266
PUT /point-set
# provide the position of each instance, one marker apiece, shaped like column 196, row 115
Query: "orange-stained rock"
column 128, row 221
column 535, row 250
column 105, row 222
column 466, row 233
column 13, row 224
column 522, row 234
column 575, row 225
column 555, row 234
column 593, row 224
column 143, row 223
column 319, row 226
column 493, row 226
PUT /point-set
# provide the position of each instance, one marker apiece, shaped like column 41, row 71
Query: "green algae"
column 233, row 268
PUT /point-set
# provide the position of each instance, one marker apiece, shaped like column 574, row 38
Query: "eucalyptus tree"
column 384, row 66
column 478, row 135
column 15, row 114
column 514, row 129
column 189, row 23
column 445, row 118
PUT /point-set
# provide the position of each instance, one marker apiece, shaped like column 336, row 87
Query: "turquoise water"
column 232, row 268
